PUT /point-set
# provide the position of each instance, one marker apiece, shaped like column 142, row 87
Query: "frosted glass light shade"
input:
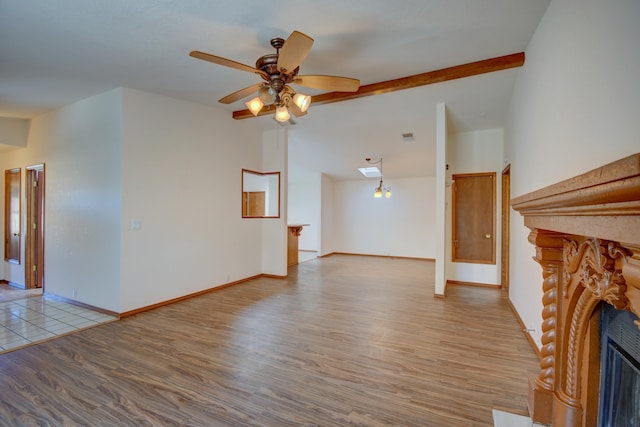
column 254, row 105
column 302, row 101
column 267, row 95
column 282, row 115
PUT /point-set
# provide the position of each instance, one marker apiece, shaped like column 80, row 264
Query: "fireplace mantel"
column 586, row 231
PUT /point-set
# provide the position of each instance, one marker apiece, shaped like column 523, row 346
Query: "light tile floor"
column 30, row 320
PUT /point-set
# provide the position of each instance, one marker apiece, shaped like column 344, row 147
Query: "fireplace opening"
column 620, row 369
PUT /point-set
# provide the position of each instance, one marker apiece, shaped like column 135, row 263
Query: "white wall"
column 440, row 199
column 274, row 230
column 143, row 199
column 13, row 133
column 326, row 243
column 181, row 181
column 305, row 196
column 575, row 107
column 474, row 152
column 403, row 225
column 80, row 147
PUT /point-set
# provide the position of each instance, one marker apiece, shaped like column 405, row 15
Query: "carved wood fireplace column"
column 586, row 231
column 549, row 256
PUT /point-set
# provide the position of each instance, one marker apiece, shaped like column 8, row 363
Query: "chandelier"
column 381, row 188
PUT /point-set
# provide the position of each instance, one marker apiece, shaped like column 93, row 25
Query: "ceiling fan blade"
column 293, row 52
column 333, row 83
column 239, row 94
column 226, row 62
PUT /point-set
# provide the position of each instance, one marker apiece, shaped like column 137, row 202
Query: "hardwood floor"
column 344, row 340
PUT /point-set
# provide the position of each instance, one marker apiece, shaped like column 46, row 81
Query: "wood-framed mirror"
column 260, row 194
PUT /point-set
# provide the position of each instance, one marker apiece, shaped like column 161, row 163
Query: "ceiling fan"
column 278, row 71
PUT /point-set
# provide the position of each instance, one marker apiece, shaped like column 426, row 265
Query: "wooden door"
column 12, row 215
column 34, row 253
column 473, row 225
column 253, row 203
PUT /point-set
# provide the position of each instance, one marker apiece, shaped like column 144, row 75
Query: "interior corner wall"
column 182, row 229
column 304, row 195
column 403, row 225
column 274, row 230
column 13, row 133
column 475, row 152
column 326, row 241
column 80, row 146
column 575, row 107
column 440, row 199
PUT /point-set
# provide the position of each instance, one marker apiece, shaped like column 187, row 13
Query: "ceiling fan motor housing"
column 269, row 64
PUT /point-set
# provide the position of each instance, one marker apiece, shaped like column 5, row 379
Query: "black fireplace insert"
column 620, row 369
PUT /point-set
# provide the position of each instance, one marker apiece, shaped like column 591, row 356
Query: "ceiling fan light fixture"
column 267, row 95
column 254, row 105
column 302, row 101
column 282, row 115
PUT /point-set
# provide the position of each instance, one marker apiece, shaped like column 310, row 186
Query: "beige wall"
column 172, row 168
column 474, row 152
column 80, row 147
column 575, row 107
column 181, row 180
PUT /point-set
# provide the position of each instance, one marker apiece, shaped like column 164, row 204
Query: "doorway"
column 34, row 240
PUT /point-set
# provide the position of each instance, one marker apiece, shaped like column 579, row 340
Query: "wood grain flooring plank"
column 343, row 340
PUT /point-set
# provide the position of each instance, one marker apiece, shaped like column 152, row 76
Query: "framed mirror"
column 260, row 194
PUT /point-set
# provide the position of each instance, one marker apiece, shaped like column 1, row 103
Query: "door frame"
column 505, row 211
column 12, row 229
column 34, row 230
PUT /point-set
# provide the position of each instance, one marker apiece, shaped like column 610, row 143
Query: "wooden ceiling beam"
column 451, row 73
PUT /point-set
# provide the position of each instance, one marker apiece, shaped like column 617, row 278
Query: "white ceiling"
column 53, row 53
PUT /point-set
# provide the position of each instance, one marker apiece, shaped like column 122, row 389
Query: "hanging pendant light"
column 380, row 189
column 377, row 194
